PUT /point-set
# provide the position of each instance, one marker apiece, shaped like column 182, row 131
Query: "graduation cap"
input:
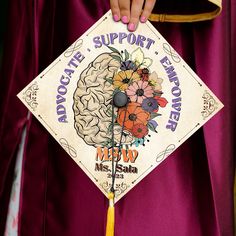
column 119, row 103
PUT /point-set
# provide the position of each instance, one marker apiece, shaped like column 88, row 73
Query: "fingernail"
column 143, row 19
column 124, row 19
column 131, row 27
column 116, row 18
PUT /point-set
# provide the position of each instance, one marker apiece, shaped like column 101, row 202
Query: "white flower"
column 137, row 56
column 155, row 81
column 127, row 137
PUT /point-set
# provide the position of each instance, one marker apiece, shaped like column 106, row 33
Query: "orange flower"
column 134, row 115
column 123, row 79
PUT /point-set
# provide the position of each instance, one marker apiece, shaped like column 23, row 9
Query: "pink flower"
column 139, row 90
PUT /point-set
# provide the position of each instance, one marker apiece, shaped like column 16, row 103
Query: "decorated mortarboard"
column 119, row 103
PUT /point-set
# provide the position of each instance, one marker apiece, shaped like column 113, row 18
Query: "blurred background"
column 3, row 19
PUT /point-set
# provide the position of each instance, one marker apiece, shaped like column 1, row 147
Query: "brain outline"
column 92, row 100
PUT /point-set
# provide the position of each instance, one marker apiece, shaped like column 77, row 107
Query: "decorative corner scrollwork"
column 119, row 189
column 165, row 153
column 171, row 52
column 209, row 105
column 68, row 148
column 30, row 95
column 105, row 186
column 75, row 46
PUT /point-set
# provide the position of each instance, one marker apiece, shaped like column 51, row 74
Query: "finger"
column 124, row 10
column 136, row 10
column 148, row 7
column 115, row 9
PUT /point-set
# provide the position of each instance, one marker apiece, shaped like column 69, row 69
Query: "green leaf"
column 109, row 80
column 126, row 55
column 116, row 90
column 109, row 111
column 107, row 143
column 113, row 49
column 110, row 128
column 116, row 58
column 157, row 94
column 154, row 115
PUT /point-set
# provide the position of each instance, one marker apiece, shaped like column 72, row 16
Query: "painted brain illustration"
column 92, row 99
column 109, row 74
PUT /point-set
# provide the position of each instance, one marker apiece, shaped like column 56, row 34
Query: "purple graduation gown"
column 190, row 193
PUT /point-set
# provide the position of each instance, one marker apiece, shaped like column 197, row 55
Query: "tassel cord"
column 110, row 227
column 119, row 150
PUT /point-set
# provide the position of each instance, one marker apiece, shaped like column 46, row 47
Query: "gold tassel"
column 110, row 230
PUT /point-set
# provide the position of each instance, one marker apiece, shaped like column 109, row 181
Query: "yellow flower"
column 123, row 79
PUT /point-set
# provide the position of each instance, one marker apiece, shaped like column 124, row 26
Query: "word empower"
column 176, row 92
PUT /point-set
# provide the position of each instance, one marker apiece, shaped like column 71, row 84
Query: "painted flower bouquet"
column 144, row 91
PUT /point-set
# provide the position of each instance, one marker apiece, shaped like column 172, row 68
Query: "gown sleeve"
column 185, row 10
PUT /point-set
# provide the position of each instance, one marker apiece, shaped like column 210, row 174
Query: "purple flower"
column 153, row 123
column 128, row 65
column 149, row 104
